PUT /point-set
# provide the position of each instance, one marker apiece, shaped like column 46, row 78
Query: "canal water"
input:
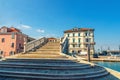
column 112, row 65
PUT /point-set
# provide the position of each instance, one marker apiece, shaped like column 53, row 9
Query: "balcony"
column 91, row 43
column 73, row 43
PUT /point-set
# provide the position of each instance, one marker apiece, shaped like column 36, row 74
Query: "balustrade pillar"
column 24, row 48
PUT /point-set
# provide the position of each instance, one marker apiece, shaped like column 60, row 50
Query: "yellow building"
column 79, row 39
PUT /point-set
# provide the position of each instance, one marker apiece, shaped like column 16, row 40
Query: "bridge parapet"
column 64, row 45
column 33, row 45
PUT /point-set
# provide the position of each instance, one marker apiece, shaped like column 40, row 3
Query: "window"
column 12, row 45
column 73, row 45
column 13, row 35
column 78, row 45
column 3, row 39
column 73, row 40
column 1, row 52
column 79, row 51
column 86, row 45
column 68, row 35
column 11, row 53
column 78, row 40
column 73, row 34
column 85, row 33
column 20, row 46
column 88, row 39
column 78, row 34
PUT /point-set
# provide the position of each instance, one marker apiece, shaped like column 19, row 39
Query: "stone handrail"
column 34, row 44
column 64, row 45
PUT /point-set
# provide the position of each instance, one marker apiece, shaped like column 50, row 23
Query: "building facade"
column 11, row 41
column 79, row 39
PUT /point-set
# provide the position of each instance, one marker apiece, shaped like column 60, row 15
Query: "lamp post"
column 88, row 34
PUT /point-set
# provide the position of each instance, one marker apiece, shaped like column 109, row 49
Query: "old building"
column 79, row 39
column 12, row 41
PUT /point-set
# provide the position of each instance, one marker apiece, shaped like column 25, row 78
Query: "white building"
column 79, row 40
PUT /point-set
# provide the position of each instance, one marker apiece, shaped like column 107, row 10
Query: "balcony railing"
column 91, row 43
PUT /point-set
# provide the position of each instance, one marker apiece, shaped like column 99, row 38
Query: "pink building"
column 11, row 41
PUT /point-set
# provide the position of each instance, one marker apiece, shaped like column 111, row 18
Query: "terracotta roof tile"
column 78, row 30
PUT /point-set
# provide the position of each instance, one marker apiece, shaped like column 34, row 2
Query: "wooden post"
column 88, row 52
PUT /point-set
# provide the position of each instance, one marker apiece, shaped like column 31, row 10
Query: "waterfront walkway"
column 102, row 58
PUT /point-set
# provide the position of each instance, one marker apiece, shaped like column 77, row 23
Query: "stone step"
column 47, row 56
column 43, row 66
column 48, row 70
column 56, row 63
column 51, row 47
column 48, row 49
column 53, row 44
column 55, row 52
column 39, row 60
column 43, row 53
column 46, row 76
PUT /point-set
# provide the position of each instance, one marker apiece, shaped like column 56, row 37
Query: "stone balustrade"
column 64, row 45
column 34, row 44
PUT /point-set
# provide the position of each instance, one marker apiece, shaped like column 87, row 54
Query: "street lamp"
column 88, row 44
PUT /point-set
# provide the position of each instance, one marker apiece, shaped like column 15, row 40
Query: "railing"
column 64, row 45
column 33, row 45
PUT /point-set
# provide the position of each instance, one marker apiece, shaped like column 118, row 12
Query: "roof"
column 51, row 38
column 12, row 29
column 78, row 30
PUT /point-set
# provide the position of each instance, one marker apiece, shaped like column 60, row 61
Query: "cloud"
column 50, row 35
column 40, row 30
column 24, row 27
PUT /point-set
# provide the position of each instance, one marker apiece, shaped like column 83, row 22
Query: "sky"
column 49, row 18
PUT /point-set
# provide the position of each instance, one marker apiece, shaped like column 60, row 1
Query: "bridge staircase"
column 48, row 63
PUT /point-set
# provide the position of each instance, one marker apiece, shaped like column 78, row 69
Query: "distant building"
column 79, row 40
column 12, row 41
column 52, row 39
